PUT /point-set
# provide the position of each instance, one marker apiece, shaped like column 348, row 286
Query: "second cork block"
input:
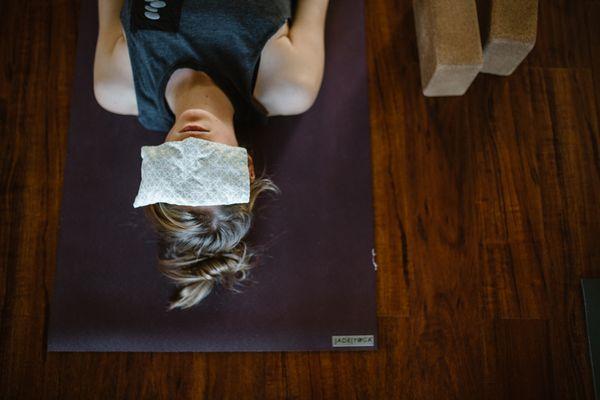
column 509, row 34
column 449, row 43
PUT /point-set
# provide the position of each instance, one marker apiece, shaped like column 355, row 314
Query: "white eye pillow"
column 194, row 172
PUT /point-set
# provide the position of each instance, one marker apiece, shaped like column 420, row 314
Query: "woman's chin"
column 195, row 115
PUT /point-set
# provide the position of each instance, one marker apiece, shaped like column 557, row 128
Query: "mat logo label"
column 353, row 341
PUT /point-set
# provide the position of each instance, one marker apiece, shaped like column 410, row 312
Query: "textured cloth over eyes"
column 194, row 172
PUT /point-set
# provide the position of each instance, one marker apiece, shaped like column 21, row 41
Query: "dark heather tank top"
column 223, row 38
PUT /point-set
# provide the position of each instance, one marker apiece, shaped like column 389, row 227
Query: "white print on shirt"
column 153, row 8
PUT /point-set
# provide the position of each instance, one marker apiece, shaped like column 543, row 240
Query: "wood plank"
column 537, row 136
column 562, row 39
column 593, row 16
column 390, row 66
column 518, row 361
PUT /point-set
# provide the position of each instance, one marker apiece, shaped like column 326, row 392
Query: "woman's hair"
column 202, row 246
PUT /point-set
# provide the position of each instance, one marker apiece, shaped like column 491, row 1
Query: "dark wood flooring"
column 487, row 215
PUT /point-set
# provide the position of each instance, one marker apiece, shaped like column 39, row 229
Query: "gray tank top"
column 223, row 38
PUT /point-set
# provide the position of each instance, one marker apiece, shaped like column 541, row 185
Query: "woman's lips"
column 194, row 128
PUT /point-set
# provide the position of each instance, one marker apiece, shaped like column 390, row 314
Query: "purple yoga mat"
column 315, row 284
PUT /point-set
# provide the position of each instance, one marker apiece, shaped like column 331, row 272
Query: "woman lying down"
column 193, row 69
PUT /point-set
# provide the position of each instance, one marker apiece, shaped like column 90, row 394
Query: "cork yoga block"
column 509, row 34
column 449, row 44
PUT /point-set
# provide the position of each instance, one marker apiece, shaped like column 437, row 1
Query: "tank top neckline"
column 228, row 87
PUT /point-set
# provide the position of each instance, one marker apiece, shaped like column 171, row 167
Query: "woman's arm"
column 113, row 79
column 292, row 63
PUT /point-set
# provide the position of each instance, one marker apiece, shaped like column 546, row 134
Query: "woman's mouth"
column 194, row 128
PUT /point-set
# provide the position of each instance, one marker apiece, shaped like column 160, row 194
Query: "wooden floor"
column 487, row 216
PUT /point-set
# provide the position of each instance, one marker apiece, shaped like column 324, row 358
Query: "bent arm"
column 295, row 62
column 113, row 78
column 109, row 22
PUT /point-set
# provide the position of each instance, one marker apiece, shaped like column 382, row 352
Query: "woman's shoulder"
column 282, row 85
column 113, row 78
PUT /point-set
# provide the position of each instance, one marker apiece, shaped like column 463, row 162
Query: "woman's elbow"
column 298, row 97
